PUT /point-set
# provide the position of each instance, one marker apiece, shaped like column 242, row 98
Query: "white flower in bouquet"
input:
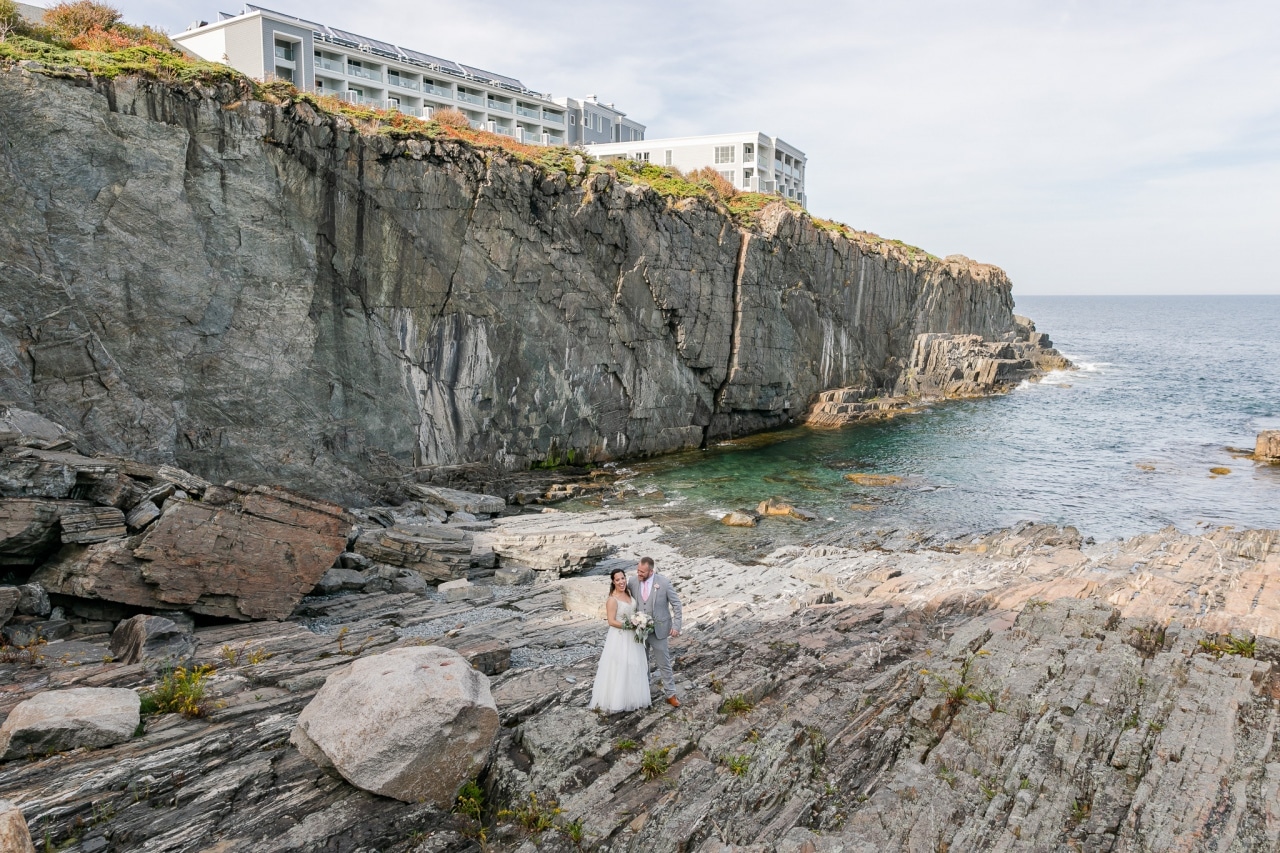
column 641, row 624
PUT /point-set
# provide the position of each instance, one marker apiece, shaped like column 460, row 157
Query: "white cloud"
column 1084, row 146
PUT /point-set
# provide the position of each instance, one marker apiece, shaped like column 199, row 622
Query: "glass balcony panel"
column 438, row 91
column 499, row 106
column 285, row 53
column 468, row 98
column 475, row 125
column 329, row 64
column 403, row 83
column 357, row 71
column 527, row 113
column 552, row 118
column 555, row 140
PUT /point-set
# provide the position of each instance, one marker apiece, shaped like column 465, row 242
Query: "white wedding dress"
column 622, row 677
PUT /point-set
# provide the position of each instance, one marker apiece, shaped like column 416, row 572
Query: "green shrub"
column 180, row 691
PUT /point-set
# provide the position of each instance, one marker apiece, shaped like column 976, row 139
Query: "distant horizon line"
column 1147, row 295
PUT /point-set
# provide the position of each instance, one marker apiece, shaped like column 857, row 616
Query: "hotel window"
column 283, row 73
column 728, row 176
column 724, row 153
column 284, row 50
column 667, row 157
column 573, row 119
column 642, row 156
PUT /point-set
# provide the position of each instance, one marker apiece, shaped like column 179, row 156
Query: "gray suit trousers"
column 660, row 659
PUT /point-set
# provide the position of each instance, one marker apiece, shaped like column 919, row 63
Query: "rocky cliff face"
column 262, row 292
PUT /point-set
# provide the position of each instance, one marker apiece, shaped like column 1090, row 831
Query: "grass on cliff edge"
column 92, row 36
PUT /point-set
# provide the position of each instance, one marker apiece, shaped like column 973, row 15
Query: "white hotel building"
column 269, row 45
column 751, row 161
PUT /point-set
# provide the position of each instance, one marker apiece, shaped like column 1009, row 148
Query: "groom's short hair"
column 646, row 561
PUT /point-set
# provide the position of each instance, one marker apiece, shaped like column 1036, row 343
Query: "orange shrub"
column 450, row 117
column 74, row 19
column 717, row 182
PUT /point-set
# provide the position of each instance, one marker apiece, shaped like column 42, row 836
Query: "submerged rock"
column 413, row 723
column 739, row 519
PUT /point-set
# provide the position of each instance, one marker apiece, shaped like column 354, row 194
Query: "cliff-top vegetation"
column 86, row 36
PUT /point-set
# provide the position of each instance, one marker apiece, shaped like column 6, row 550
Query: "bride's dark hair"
column 622, row 572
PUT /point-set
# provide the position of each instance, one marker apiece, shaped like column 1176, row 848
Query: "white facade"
column 270, row 45
column 751, row 161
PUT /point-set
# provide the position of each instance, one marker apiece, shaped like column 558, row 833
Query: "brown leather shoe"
column 673, row 702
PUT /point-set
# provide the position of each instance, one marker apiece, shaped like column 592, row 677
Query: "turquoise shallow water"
column 1121, row 446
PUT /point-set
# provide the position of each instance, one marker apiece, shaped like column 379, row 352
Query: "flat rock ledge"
column 1021, row 690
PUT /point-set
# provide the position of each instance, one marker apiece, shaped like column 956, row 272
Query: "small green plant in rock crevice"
column 180, row 691
column 738, row 764
column 655, row 762
column 736, row 705
column 533, row 816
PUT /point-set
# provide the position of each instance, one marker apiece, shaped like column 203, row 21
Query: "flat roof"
column 378, row 47
column 702, row 140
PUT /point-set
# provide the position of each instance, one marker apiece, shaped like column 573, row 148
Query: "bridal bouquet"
column 641, row 624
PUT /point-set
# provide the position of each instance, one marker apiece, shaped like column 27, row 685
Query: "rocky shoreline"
column 1019, row 690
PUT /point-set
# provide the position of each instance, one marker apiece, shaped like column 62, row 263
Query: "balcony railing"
column 527, row 113
column 357, row 71
column 403, row 83
column 476, row 125
column 416, row 112
column 469, row 98
column 438, row 91
column 499, row 106
column 360, row 100
column 554, row 140
column 329, row 64
column 552, row 118
column 285, row 53
column 505, row 131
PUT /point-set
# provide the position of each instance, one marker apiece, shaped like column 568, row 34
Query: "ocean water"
column 1166, row 387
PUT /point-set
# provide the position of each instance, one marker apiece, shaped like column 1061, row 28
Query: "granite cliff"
column 262, row 292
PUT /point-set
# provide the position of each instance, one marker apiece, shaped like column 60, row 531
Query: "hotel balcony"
column 330, row 65
column 357, row 71
column 528, row 113
column 403, row 83
column 438, row 91
column 470, row 99
column 499, row 106
column 553, row 118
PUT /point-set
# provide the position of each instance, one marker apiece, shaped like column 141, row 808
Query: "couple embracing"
column 643, row 612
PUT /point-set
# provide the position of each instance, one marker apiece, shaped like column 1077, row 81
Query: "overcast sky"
column 1117, row 146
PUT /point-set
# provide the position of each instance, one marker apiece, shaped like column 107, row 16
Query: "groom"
column 655, row 595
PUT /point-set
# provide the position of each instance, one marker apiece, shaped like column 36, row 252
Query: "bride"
column 622, row 677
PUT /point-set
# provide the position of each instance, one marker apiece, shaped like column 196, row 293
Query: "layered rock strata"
column 945, row 367
column 922, row 710
column 250, row 290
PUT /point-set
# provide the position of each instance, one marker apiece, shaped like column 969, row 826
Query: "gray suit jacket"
column 663, row 604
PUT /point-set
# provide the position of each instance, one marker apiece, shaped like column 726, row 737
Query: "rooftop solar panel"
column 358, row 39
column 489, row 75
column 432, row 60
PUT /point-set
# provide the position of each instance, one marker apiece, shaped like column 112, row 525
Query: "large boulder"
column 435, row 551
column 14, row 835
column 151, row 638
column 413, row 723
column 560, row 551
column 59, row 720
column 28, row 530
column 253, row 556
column 586, row 596
column 452, row 500
column 1268, row 446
